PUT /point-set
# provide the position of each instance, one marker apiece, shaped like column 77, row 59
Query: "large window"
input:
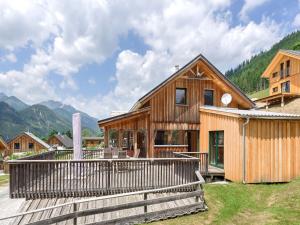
column 181, row 96
column 208, row 97
column 216, row 148
column 281, row 70
column 285, row 87
column 170, row 137
column 288, row 65
column 17, row 146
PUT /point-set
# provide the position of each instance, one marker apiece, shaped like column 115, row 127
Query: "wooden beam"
column 106, row 137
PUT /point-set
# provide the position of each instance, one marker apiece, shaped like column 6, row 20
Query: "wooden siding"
column 54, row 141
column 24, row 141
column 233, row 155
column 272, row 152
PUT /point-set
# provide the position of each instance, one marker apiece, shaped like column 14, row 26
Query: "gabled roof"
column 37, row 139
column 258, row 114
column 185, row 68
column 31, row 135
column 276, row 59
column 65, row 140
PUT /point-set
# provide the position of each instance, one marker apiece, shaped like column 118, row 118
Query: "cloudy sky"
column 102, row 55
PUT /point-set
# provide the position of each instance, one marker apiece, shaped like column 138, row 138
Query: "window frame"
column 185, row 96
column 282, row 70
column 288, row 68
column 275, row 89
column 30, row 143
column 213, row 96
column 19, row 146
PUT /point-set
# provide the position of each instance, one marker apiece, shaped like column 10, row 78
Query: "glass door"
column 216, row 148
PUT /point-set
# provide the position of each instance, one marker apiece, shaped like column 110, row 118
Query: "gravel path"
column 8, row 206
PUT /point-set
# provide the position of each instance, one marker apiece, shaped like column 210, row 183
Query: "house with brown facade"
column 27, row 141
column 4, row 149
column 92, row 142
column 185, row 114
column 60, row 141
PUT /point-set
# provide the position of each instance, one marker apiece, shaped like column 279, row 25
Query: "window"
column 275, row 89
column 161, row 138
column 274, row 74
column 16, row 146
column 181, row 96
column 30, row 145
column 216, row 148
column 281, row 70
column 285, row 87
column 171, row 137
column 288, row 64
column 208, row 97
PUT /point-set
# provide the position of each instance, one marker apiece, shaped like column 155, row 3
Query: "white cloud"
column 250, row 5
column 296, row 21
column 91, row 81
column 67, row 35
column 10, row 57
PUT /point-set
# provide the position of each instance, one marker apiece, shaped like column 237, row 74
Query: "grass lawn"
column 4, row 179
column 236, row 203
column 260, row 94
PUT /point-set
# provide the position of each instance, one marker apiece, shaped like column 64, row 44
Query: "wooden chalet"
column 27, row 141
column 60, row 141
column 167, row 118
column 283, row 74
column 92, row 142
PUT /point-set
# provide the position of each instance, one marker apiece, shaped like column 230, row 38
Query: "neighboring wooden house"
column 283, row 74
column 91, row 142
column 167, row 118
column 27, row 141
column 252, row 146
column 4, row 149
column 60, row 141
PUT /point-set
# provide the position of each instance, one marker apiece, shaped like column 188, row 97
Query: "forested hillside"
column 247, row 74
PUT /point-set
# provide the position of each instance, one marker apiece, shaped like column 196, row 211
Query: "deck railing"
column 79, row 178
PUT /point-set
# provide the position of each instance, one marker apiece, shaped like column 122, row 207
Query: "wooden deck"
column 137, row 215
column 214, row 172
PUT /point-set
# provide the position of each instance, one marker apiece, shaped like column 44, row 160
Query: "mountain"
column 247, row 74
column 11, row 123
column 66, row 112
column 42, row 120
column 13, row 102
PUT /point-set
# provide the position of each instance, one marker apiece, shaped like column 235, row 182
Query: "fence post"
column 75, row 216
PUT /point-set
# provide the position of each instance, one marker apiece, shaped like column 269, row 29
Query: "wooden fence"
column 60, row 178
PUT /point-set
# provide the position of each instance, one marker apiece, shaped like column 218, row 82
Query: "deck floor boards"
column 42, row 203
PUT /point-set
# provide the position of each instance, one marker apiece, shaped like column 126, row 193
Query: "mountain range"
column 247, row 75
column 40, row 119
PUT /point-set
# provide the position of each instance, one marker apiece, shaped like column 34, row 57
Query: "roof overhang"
column 276, row 59
column 237, row 115
column 125, row 116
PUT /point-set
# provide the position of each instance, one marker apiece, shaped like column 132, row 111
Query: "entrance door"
column 193, row 140
column 141, row 144
column 216, row 148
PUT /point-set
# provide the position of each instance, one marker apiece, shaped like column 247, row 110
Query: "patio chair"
column 115, row 151
column 136, row 153
column 107, row 153
column 122, row 154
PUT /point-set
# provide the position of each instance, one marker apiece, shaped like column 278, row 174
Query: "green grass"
column 236, row 203
column 4, row 179
column 260, row 94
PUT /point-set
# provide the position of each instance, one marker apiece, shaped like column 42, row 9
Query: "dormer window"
column 181, row 96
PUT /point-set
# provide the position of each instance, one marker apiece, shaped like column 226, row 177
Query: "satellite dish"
column 226, row 99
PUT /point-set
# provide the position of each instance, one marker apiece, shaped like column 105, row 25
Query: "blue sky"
column 101, row 56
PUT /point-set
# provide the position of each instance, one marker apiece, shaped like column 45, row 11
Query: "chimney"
column 176, row 67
